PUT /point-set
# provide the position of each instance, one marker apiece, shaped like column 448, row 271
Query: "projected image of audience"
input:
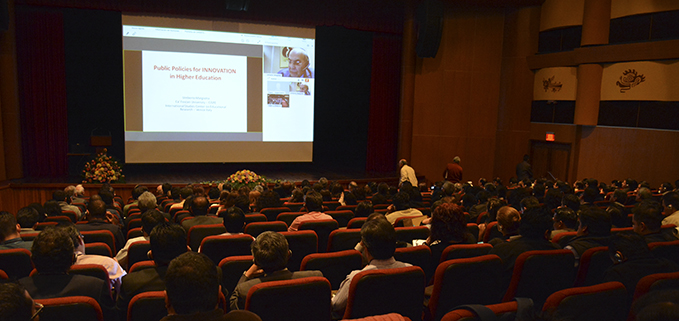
column 300, row 87
column 276, row 100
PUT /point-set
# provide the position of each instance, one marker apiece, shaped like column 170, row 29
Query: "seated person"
column 594, row 229
column 53, row 255
column 96, row 213
column 647, row 221
column 400, row 207
column 270, row 251
column 115, row 271
column 378, row 238
column 192, row 288
column 234, row 221
column 448, row 226
column 16, row 304
column 10, row 233
column 313, row 204
column 632, row 260
column 298, row 65
column 167, row 242
column 198, row 207
column 534, row 229
column 27, row 217
column 508, row 223
column 565, row 220
column 149, row 220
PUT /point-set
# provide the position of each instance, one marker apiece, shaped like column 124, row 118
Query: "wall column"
column 408, row 62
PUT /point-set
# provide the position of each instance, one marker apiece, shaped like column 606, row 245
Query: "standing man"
column 407, row 173
column 524, row 170
column 453, row 172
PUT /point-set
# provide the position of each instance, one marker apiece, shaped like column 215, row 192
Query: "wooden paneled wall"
column 456, row 96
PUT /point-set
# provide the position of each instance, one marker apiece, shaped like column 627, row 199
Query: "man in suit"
column 524, row 170
column 199, row 207
column 97, row 221
column 53, row 255
column 270, row 251
column 167, row 242
column 10, row 233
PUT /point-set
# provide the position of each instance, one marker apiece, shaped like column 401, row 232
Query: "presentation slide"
column 198, row 94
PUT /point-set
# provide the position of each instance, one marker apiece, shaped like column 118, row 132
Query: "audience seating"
column 563, row 238
column 367, row 295
column 198, row 232
column 291, row 300
column 295, row 207
column 538, row 274
column 71, row 308
column 3, row 275
column 473, row 280
column 103, row 236
column 481, row 218
column 347, row 207
column 464, row 314
column 601, row 302
column 288, row 217
column 335, row 266
column 473, row 229
column 332, row 205
column 301, row 243
column 343, row 239
column 30, row 236
column 94, row 270
column 323, row 228
column 71, row 215
column 381, row 206
column 256, row 217
column 461, row 251
column 142, row 265
column 98, row 248
column 593, row 264
column 134, row 223
column 491, row 232
column 180, row 215
column 256, row 228
column 416, row 255
column 272, row 212
column 658, row 281
column 217, row 247
column 147, row 306
column 232, row 270
column 135, row 232
column 137, row 252
column 342, row 217
column 410, row 233
column 16, row 262
column 668, row 250
column 356, row 222
column 173, row 212
column 60, row 219
column 42, row 225
column 81, row 206
column 405, row 221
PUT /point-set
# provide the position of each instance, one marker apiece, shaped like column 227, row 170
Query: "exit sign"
column 549, row 137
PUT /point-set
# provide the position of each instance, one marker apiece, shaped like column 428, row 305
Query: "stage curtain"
column 384, row 103
column 42, row 91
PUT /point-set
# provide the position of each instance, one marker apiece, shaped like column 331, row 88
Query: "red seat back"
column 534, row 275
column 335, row 265
column 291, row 300
column 604, row 301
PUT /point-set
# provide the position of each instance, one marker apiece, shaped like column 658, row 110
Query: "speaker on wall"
column 429, row 24
column 4, row 15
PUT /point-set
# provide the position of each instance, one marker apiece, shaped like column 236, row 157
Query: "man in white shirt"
column 407, row 173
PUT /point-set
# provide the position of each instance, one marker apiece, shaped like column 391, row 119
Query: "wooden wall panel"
column 618, row 153
column 457, row 95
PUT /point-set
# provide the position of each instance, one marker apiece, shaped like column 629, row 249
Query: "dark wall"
column 94, row 80
column 343, row 64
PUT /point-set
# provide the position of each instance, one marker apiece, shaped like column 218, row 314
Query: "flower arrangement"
column 245, row 178
column 103, row 169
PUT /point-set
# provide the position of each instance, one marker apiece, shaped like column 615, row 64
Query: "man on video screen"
column 298, row 65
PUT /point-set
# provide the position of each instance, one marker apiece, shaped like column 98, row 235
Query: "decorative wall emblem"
column 629, row 80
column 550, row 85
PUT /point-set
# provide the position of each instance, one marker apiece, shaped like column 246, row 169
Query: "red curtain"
column 384, row 103
column 42, row 85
